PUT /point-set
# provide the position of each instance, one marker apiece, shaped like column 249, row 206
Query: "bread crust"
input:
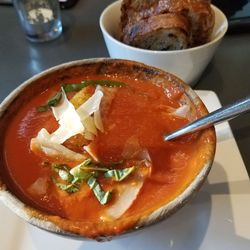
column 198, row 14
column 160, row 32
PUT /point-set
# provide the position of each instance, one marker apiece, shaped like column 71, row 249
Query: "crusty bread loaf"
column 160, row 32
column 166, row 24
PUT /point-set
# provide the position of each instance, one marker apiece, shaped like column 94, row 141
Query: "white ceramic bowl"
column 187, row 64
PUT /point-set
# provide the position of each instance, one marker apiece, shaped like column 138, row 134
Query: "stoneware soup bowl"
column 200, row 162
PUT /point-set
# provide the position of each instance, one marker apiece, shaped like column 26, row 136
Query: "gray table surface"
column 228, row 73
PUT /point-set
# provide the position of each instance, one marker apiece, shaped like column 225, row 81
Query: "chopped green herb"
column 87, row 162
column 87, row 172
column 83, row 170
column 102, row 196
column 71, row 87
column 119, row 174
column 94, row 168
column 43, row 108
column 52, row 102
column 57, row 167
column 70, row 188
column 77, row 172
column 78, row 86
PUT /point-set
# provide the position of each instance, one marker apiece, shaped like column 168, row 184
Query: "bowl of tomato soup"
column 82, row 149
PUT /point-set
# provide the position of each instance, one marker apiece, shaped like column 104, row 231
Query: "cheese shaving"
column 89, row 149
column 127, row 195
column 43, row 144
column 90, row 106
column 89, row 125
column 98, row 120
column 68, row 119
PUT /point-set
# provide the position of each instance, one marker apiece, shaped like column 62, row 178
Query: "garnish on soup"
column 83, row 120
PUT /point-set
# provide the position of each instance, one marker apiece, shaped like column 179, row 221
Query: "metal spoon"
column 222, row 114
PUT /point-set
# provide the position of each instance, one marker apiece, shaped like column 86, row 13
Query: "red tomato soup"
column 126, row 169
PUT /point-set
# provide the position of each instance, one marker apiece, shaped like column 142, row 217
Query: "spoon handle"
column 225, row 113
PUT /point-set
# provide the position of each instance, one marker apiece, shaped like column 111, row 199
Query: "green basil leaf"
column 52, row 102
column 83, row 170
column 43, row 108
column 73, row 87
column 119, row 174
column 94, row 168
column 87, row 162
column 78, row 86
column 77, row 172
column 70, row 188
column 102, row 196
column 57, row 167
